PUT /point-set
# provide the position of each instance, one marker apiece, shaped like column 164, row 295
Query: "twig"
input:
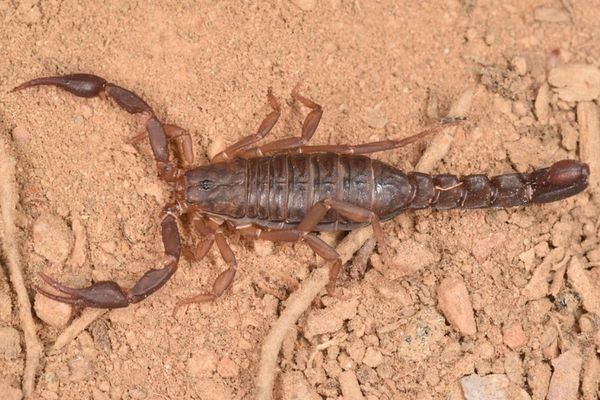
column 8, row 203
column 440, row 144
column 87, row 316
column 297, row 303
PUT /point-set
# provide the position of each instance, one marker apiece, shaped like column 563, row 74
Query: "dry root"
column 8, row 203
column 297, row 303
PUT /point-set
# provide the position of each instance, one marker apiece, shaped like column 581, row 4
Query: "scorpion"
column 286, row 191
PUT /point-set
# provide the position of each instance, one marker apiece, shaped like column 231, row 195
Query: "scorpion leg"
column 311, row 122
column 223, row 281
column 265, row 127
column 368, row 148
column 108, row 294
column 87, row 85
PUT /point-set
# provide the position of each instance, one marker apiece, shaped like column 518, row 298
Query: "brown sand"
column 373, row 66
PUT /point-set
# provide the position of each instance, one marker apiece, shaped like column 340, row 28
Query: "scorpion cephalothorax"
column 286, row 190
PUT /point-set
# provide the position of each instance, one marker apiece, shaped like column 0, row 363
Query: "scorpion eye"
column 206, row 185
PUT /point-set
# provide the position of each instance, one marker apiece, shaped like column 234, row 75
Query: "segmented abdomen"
column 282, row 188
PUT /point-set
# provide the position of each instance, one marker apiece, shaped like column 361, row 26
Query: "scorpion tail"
column 561, row 180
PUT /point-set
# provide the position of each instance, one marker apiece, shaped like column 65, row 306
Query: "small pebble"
column 349, row 386
column 492, row 387
column 564, row 384
column 227, row 368
column 575, row 82
column 330, row 319
column 453, row 301
column 542, row 103
column 20, row 134
column 519, row 65
column 373, row 357
column 294, row 386
column 583, row 283
column 538, row 380
column 53, row 313
column 52, row 238
column 514, row 336
column 10, row 343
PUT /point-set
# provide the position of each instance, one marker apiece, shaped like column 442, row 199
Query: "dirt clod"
column 576, row 82
column 453, row 301
column 52, row 238
column 564, row 383
column 52, row 312
column 514, row 336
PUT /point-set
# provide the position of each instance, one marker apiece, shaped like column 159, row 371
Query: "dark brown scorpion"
column 286, row 190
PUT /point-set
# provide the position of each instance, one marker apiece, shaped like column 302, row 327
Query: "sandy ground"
column 89, row 202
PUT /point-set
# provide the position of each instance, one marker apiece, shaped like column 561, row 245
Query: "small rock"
column 294, row 386
column 542, row 104
column 590, row 381
column 453, row 301
column 528, row 258
column 564, row 384
column 519, row 65
column 373, row 357
column 10, row 343
column 20, row 134
column 227, row 368
column 520, row 109
column 330, row 319
column 587, row 288
column 52, row 312
column 304, row 5
column 203, row 361
column 77, row 257
column 52, row 238
column 539, row 379
column 356, row 350
column 551, row 14
column 576, row 82
column 570, row 136
column 491, row 387
column 514, row 336
column 349, row 386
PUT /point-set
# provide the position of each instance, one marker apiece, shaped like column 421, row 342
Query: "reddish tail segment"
column 563, row 179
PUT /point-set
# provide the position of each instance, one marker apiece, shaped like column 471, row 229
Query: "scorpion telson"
column 286, row 191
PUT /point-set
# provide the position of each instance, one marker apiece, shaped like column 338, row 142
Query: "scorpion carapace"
column 286, row 191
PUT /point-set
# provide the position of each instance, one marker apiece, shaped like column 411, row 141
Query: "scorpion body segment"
column 286, row 190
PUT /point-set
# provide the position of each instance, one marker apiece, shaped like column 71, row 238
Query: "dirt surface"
column 496, row 301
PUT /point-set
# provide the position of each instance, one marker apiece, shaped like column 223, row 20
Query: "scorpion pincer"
column 286, row 191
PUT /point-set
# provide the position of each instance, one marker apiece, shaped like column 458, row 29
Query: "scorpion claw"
column 105, row 294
